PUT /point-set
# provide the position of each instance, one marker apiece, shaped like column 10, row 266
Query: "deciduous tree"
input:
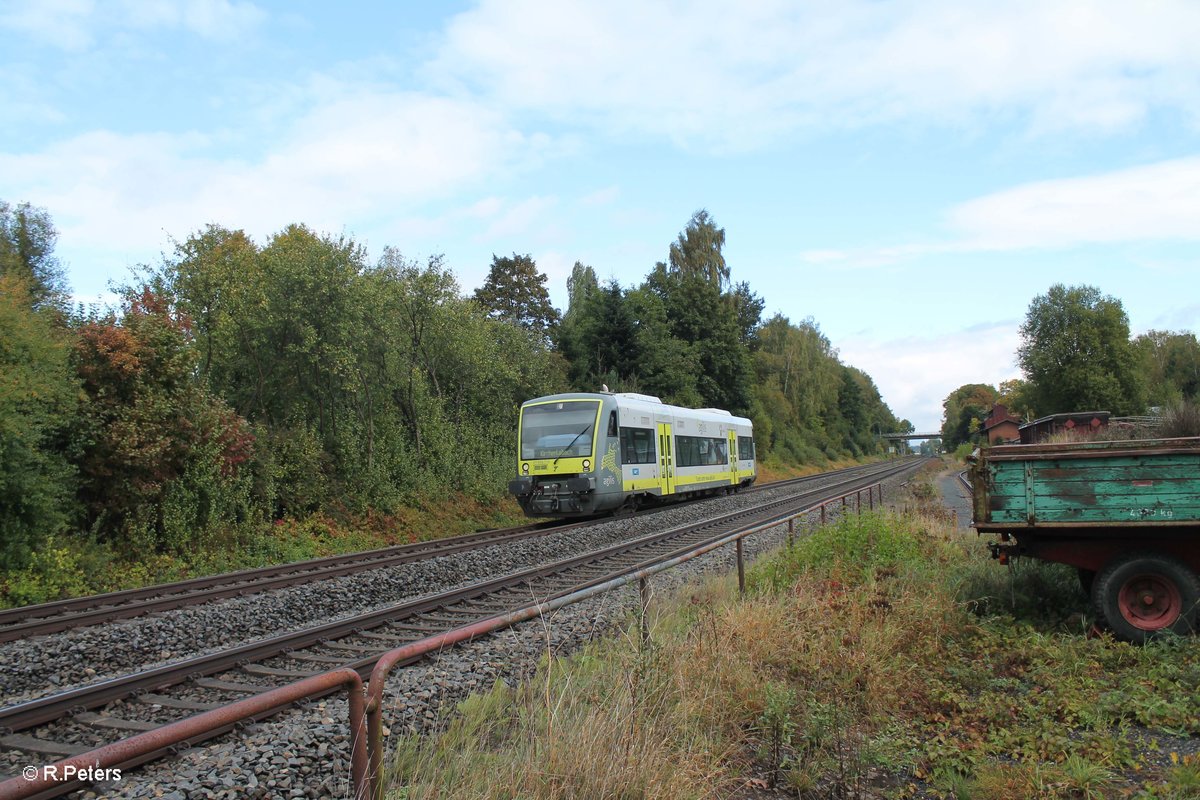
column 1076, row 354
column 698, row 250
column 515, row 292
column 965, row 410
column 27, row 238
column 1170, row 362
column 38, row 397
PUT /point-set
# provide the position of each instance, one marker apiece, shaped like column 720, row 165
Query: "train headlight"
column 586, row 465
column 525, row 469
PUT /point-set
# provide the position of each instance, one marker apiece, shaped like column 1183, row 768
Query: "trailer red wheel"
column 1150, row 602
column 1144, row 594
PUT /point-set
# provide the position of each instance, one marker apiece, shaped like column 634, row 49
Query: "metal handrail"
column 365, row 701
column 54, row 779
column 410, row 652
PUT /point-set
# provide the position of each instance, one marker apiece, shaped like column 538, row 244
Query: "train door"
column 666, row 459
column 733, row 458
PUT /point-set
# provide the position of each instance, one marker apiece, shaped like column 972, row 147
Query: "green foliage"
column 705, row 320
column 965, row 410
column 698, row 251
column 814, row 407
column 27, row 238
column 851, row 549
column 367, row 383
column 1171, row 364
column 54, row 571
column 1076, row 353
column 515, row 292
column 1014, row 395
column 600, row 338
column 777, row 722
column 38, row 395
column 161, row 460
column 1026, row 589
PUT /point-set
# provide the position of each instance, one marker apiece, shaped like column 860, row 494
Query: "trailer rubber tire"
column 1144, row 594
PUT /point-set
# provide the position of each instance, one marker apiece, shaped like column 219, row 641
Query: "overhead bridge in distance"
column 896, row 437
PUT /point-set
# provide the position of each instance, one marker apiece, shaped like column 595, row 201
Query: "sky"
column 910, row 175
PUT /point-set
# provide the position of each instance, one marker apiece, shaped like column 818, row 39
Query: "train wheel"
column 1144, row 594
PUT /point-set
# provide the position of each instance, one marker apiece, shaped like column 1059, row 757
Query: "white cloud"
column 359, row 156
column 736, row 75
column 210, row 19
column 76, row 25
column 60, row 23
column 915, row 374
column 1155, row 201
column 601, row 197
column 519, row 218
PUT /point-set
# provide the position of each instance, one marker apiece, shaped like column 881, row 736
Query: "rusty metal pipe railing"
column 388, row 661
column 365, row 706
column 128, row 750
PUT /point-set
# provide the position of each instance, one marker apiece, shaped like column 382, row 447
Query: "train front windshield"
column 555, row 430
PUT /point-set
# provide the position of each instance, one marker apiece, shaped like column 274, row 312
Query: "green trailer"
column 1125, row 514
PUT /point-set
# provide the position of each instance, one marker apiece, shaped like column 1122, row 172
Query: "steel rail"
column 50, row 780
column 61, row 615
column 777, row 517
column 53, row 617
column 414, row 651
column 49, row 708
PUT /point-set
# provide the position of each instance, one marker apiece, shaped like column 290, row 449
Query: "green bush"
column 855, row 546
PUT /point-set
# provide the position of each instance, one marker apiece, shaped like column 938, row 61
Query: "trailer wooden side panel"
column 1150, row 482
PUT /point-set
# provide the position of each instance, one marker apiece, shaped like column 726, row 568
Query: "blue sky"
column 908, row 174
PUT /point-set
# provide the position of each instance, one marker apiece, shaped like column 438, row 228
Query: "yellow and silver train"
column 590, row 453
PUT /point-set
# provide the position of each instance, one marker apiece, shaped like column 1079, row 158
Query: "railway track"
column 69, row 722
column 46, row 618
column 18, row 623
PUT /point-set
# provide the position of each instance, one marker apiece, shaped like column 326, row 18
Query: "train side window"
column 612, row 423
column 637, row 446
column 745, row 446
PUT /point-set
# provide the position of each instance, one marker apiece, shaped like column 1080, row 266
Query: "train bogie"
column 592, row 453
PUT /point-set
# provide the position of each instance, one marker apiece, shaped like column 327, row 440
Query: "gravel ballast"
column 305, row 753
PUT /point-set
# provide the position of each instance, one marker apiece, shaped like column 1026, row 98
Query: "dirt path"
column 955, row 495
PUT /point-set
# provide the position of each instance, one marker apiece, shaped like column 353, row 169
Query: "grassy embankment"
column 884, row 656
column 69, row 567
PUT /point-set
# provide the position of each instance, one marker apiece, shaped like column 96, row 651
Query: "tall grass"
column 1181, row 420
column 882, row 656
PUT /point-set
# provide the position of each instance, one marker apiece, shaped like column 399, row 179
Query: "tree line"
column 1076, row 354
column 240, row 383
